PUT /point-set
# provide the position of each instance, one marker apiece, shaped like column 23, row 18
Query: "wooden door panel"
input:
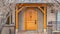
column 30, row 19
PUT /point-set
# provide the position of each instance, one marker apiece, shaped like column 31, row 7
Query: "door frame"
column 42, row 7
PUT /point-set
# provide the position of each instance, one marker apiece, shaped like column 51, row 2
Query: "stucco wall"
column 50, row 16
column 21, row 21
column 40, row 21
column 5, row 30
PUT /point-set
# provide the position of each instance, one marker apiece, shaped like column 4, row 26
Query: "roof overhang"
column 32, row 1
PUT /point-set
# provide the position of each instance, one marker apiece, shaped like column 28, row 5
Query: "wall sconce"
column 52, row 11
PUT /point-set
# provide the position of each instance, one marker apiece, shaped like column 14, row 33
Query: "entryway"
column 30, row 17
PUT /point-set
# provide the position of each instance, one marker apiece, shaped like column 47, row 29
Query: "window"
column 8, row 20
column 58, row 21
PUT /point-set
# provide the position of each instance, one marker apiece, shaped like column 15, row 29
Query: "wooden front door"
column 30, row 19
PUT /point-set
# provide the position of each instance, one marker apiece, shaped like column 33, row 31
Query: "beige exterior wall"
column 50, row 16
column 5, row 30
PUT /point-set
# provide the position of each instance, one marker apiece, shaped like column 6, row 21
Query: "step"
column 30, row 32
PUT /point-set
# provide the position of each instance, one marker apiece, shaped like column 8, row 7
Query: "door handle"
column 35, row 21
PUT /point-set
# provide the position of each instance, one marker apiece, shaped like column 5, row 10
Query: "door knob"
column 35, row 21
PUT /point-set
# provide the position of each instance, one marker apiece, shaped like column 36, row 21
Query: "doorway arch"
column 40, row 19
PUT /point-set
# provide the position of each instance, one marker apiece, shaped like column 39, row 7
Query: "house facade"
column 29, row 16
